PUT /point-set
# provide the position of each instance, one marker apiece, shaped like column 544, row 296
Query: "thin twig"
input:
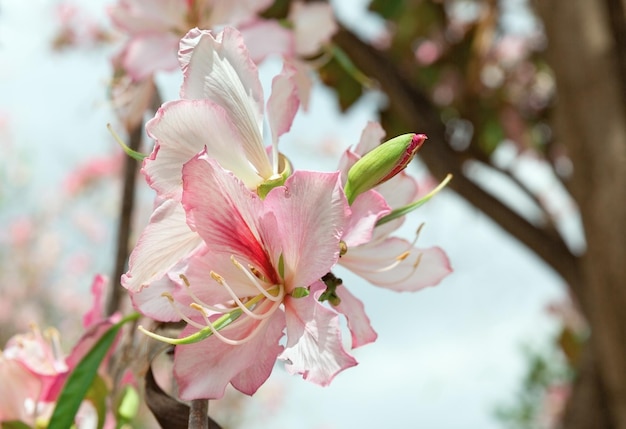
column 198, row 413
column 125, row 220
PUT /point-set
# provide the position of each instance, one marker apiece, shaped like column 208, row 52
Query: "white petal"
column 220, row 69
column 165, row 241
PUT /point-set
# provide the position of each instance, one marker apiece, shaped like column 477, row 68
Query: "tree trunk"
column 586, row 52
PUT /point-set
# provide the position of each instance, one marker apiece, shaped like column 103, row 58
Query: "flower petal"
column 140, row 16
column 283, row 103
column 358, row 322
column 228, row 221
column 182, row 129
column 307, row 218
column 314, row 24
column 151, row 302
column 372, row 262
column 314, row 347
column 203, row 369
column 236, row 12
column 220, row 69
column 366, row 209
column 265, row 37
column 18, row 386
column 146, row 53
column 165, row 241
column 371, row 136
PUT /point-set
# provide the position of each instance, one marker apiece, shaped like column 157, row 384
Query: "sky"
column 445, row 357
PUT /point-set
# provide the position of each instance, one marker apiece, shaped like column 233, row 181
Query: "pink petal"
column 308, row 215
column 221, row 70
column 228, row 220
column 399, row 191
column 182, row 129
column 314, row 347
column 372, row 262
column 96, row 312
column 18, row 385
column 204, row 287
column 358, row 322
column 147, row 53
column 372, row 136
column 165, row 241
column 314, row 25
column 303, row 79
column 203, row 369
column 140, row 16
column 283, row 103
column 236, row 12
column 264, row 38
column 151, row 302
column 366, row 210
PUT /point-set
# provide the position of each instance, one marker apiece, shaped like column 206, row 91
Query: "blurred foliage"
column 474, row 69
column 540, row 400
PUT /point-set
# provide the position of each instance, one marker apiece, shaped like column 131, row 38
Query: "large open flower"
column 247, row 284
column 222, row 113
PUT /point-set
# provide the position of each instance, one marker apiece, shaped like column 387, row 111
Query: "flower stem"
column 198, row 414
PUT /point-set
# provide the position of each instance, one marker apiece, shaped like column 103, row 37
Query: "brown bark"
column 590, row 119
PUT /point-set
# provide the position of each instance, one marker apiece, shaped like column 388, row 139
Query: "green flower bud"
column 381, row 164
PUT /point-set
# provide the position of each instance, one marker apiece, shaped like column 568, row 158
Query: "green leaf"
column 14, row 425
column 82, row 378
column 97, row 394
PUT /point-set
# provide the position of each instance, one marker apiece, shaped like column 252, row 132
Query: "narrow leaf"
column 82, row 378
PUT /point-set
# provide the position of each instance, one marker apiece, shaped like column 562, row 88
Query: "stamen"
column 55, row 341
column 222, row 337
column 197, row 299
column 219, row 279
column 254, row 280
column 402, row 256
column 418, row 260
column 170, row 298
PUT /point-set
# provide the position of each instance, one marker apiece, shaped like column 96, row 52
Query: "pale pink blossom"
column 314, row 24
column 156, row 26
column 91, row 171
column 222, row 112
column 34, row 368
column 257, row 253
column 382, row 259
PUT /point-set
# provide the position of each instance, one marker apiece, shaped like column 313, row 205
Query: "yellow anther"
column 185, row 280
column 168, row 296
column 217, row 277
column 403, row 256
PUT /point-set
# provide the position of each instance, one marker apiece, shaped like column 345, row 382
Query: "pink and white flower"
column 33, row 368
column 238, row 294
column 222, row 113
column 156, row 26
column 382, row 259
